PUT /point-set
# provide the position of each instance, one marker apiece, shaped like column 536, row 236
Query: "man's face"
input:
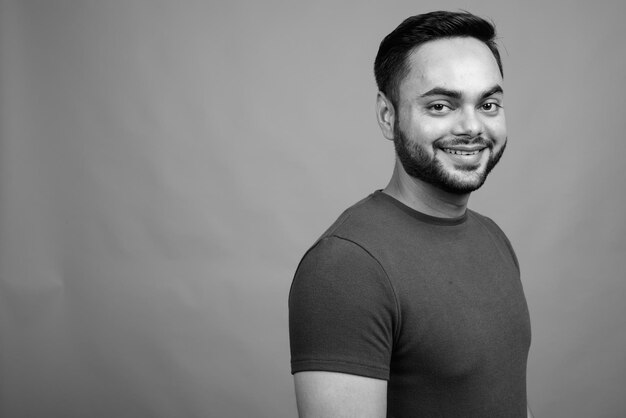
column 449, row 129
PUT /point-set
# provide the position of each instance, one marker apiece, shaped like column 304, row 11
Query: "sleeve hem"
column 340, row 367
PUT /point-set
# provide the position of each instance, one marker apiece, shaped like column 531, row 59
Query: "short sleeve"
column 342, row 311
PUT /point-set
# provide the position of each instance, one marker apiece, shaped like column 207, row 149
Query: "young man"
column 410, row 304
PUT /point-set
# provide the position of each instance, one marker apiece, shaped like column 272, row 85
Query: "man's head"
column 440, row 99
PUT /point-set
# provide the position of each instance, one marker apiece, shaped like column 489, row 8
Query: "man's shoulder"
column 370, row 217
column 495, row 232
column 351, row 235
column 485, row 222
column 365, row 210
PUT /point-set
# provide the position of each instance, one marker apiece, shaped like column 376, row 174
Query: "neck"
column 425, row 197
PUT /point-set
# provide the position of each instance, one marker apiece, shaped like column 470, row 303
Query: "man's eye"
column 439, row 108
column 490, row 107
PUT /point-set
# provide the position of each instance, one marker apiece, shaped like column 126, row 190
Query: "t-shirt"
column 433, row 305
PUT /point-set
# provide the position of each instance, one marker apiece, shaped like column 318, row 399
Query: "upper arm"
column 339, row 395
column 342, row 312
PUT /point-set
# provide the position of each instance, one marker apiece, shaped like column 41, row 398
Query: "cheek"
column 497, row 130
column 427, row 131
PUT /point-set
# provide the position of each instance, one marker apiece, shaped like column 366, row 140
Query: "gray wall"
column 163, row 166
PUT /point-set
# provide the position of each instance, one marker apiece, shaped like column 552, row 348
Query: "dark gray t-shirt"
column 433, row 305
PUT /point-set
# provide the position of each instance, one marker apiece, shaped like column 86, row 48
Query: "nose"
column 468, row 123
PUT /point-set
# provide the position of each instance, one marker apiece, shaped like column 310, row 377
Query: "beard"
column 420, row 165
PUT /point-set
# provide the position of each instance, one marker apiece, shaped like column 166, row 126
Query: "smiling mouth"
column 462, row 152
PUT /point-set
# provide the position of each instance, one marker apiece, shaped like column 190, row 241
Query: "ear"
column 385, row 114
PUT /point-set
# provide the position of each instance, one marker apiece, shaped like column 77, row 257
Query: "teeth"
column 459, row 152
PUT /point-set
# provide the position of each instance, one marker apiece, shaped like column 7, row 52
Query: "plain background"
column 164, row 165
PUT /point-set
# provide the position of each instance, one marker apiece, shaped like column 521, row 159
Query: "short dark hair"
column 390, row 66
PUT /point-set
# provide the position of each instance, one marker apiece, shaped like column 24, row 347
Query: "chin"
column 459, row 187
column 460, row 180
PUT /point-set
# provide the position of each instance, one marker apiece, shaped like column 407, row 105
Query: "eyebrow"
column 456, row 94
